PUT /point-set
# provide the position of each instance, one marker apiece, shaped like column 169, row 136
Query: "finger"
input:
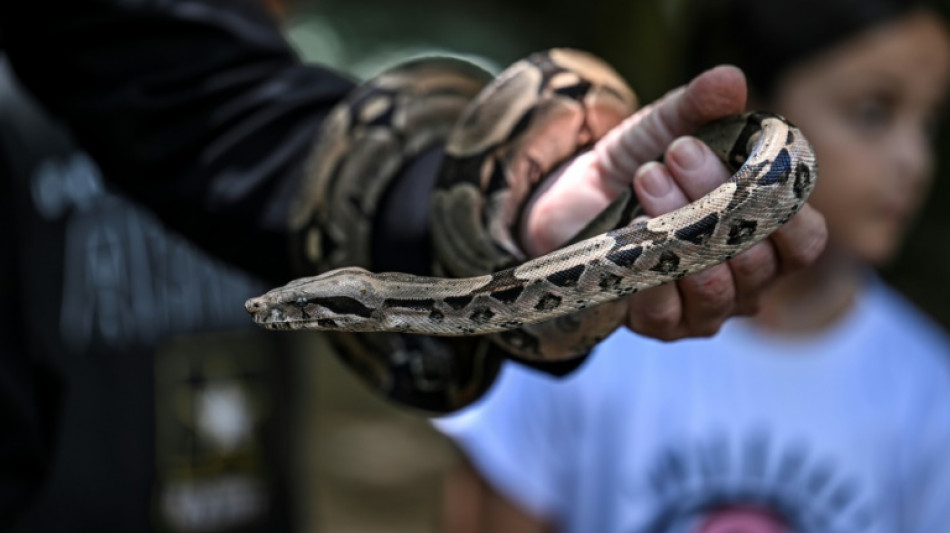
column 562, row 209
column 753, row 271
column 708, row 300
column 800, row 241
column 714, row 94
column 656, row 312
column 547, row 223
column 694, row 166
column 656, row 189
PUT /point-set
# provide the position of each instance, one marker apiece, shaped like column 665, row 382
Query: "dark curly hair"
column 767, row 37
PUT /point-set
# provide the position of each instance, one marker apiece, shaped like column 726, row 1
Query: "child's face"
column 869, row 107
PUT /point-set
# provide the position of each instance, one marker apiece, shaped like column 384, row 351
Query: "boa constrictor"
column 527, row 122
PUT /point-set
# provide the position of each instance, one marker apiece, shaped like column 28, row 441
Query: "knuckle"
column 655, row 321
column 714, row 288
column 660, row 318
column 809, row 243
column 810, row 249
column 755, row 265
column 711, row 300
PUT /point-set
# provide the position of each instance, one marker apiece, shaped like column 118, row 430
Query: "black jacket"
column 198, row 109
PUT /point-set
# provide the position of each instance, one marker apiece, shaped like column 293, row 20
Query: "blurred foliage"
column 643, row 39
column 639, row 38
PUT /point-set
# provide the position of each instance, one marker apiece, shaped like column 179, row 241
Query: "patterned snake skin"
column 521, row 127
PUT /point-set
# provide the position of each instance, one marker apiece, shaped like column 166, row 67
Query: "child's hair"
column 765, row 38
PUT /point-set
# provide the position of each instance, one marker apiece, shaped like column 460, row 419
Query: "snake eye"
column 301, row 301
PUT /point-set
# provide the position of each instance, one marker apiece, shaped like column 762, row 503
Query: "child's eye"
column 872, row 115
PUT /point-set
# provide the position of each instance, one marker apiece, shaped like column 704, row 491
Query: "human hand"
column 697, row 305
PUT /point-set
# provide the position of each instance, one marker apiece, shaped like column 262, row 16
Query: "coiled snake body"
column 494, row 164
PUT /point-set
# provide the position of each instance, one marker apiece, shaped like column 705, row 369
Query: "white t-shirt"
column 845, row 432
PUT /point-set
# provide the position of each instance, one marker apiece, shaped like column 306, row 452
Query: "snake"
column 500, row 148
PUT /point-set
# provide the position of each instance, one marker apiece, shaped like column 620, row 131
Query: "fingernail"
column 654, row 180
column 687, row 153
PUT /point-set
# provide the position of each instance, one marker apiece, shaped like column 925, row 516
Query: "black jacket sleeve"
column 198, row 108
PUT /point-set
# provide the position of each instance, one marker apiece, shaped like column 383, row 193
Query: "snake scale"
column 527, row 122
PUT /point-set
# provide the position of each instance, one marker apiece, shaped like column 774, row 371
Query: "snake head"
column 321, row 302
